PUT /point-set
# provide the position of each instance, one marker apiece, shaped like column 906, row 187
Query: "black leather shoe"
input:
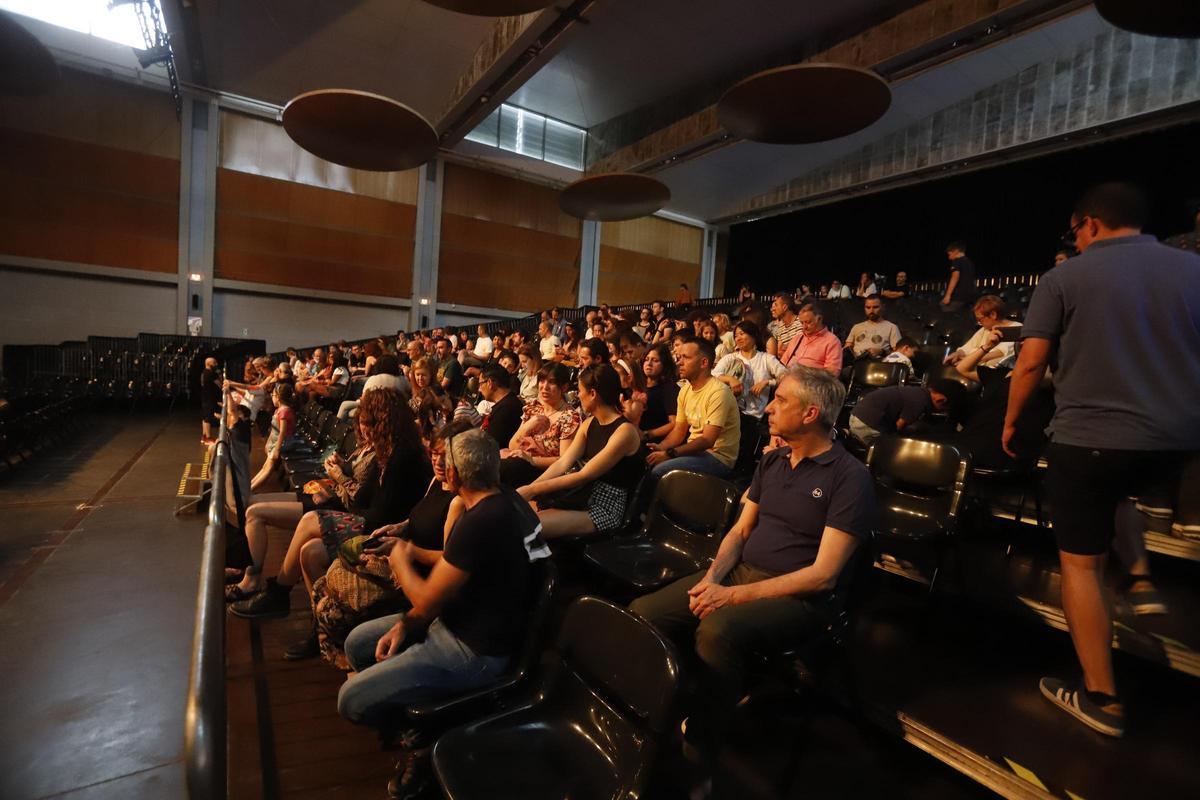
column 308, row 647
column 415, row 778
column 272, row 603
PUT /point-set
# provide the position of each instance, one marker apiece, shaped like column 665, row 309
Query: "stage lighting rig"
column 158, row 49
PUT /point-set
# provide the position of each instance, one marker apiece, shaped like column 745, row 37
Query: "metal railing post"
column 204, row 734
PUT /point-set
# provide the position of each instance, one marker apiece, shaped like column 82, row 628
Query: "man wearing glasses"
column 495, row 384
column 1126, row 418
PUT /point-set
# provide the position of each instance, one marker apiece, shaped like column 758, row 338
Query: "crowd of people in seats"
column 476, row 453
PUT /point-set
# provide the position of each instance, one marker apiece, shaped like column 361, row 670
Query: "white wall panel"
column 46, row 308
column 293, row 321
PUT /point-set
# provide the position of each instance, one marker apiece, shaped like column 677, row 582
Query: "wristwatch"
column 671, row 452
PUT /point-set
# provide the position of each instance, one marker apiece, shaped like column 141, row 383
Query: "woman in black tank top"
column 587, row 490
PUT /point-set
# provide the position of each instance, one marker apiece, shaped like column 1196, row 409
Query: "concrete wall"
column 48, row 308
column 295, row 321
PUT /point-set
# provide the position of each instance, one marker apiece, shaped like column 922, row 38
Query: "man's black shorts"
column 1084, row 486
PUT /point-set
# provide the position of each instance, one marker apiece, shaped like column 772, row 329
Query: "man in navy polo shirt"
column 1126, row 380
column 780, row 571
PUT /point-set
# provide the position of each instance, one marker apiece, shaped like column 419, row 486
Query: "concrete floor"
column 97, row 602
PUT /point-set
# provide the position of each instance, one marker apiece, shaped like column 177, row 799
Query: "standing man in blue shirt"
column 1126, row 383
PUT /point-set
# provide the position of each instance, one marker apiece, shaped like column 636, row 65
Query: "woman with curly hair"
column 430, row 404
column 403, row 474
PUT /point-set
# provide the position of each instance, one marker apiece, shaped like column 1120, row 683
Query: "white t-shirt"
column 548, row 346
column 340, row 377
column 898, row 358
column 1007, row 349
column 760, row 367
column 868, row 335
column 484, row 346
column 397, row 383
column 870, row 291
column 842, row 292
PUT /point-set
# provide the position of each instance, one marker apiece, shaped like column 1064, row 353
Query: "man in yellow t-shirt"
column 707, row 429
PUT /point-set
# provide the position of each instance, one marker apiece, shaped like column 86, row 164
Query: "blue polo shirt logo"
column 817, row 493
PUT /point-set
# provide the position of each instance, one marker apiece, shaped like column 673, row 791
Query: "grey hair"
column 813, row 386
column 475, row 456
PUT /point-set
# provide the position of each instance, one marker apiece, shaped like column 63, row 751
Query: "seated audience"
column 430, row 405
column 633, row 390
column 343, row 598
column 530, row 374
column 989, row 313
column 483, row 350
column 749, row 372
column 707, row 428
column 468, row 615
column 548, row 425
column 495, row 385
column 838, row 291
column 592, row 351
column 899, row 288
column 906, row 348
column 645, row 324
column 384, row 373
column 816, row 346
column 351, row 486
column 781, row 572
column 662, row 393
column 449, row 372
column 589, row 487
column 874, row 336
column 866, row 286
column 550, row 345
column 893, row 409
column 982, row 431
column 403, row 473
column 785, row 324
column 282, row 436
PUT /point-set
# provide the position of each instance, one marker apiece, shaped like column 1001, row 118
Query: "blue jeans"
column 440, row 666
column 705, row 462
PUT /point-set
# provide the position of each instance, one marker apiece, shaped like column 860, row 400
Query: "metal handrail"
column 204, row 733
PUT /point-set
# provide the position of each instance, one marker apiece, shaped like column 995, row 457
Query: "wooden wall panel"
column 655, row 236
column 261, row 147
column 88, row 108
column 504, row 200
column 505, row 243
column 293, row 234
column 70, row 200
column 646, row 259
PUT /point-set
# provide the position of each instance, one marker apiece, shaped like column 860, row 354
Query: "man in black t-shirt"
column 468, row 617
column 449, row 372
column 495, row 384
column 961, row 288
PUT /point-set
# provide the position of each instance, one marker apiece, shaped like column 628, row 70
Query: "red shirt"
column 823, row 351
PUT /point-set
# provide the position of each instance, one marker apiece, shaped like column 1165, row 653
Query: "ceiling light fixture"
column 360, row 130
column 804, row 103
column 614, row 196
column 492, row 8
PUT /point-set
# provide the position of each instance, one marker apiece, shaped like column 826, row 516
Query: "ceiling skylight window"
column 86, row 16
column 534, row 135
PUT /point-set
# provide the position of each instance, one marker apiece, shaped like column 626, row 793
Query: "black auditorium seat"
column 868, row 376
column 919, row 488
column 438, row 715
column 688, row 515
column 591, row 731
